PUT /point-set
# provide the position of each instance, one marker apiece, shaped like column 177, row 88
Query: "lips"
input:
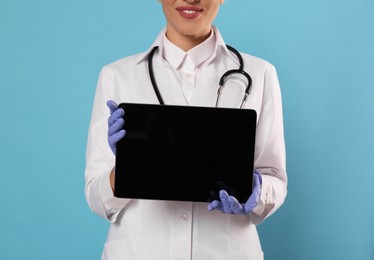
column 189, row 12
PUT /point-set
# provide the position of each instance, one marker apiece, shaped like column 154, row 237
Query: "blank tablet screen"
column 185, row 153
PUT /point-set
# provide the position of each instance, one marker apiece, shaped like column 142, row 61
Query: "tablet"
column 185, row 153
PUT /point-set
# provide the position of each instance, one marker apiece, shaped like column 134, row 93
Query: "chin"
column 191, row 31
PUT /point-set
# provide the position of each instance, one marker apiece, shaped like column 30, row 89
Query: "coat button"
column 183, row 218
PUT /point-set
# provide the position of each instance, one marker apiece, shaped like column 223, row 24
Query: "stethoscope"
column 221, row 81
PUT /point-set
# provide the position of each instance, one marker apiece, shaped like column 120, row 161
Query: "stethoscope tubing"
column 222, row 80
column 152, row 77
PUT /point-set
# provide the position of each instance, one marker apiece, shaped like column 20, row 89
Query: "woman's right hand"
column 115, row 124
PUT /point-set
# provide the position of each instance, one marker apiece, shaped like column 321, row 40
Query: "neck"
column 187, row 42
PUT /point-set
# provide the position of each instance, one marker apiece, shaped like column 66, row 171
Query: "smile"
column 189, row 12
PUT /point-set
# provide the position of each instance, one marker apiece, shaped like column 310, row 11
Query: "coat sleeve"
column 99, row 158
column 270, row 155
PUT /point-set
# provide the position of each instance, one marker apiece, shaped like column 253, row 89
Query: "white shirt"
column 185, row 64
column 146, row 229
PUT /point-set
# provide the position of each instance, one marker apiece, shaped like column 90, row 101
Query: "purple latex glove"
column 115, row 124
column 229, row 204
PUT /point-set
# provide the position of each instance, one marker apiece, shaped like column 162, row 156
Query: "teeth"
column 189, row 11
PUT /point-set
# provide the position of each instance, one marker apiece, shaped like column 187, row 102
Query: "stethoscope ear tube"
column 229, row 73
column 234, row 71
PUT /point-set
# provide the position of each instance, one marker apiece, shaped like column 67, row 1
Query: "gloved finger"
column 215, row 205
column 236, row 207
column 112, row 106
column 257, row 184
column 116, row 126
column 113, row 139
column 224, row 196
column 256, row 173
column 255, row 196
column 119, row 113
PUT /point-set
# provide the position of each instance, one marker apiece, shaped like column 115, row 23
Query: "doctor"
column 190, row 59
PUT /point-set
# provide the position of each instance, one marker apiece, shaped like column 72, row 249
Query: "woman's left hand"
column 229, row 204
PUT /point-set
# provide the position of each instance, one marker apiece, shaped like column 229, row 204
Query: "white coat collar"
column 220, row 44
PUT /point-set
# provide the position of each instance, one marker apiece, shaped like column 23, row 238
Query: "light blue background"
column 50, row 56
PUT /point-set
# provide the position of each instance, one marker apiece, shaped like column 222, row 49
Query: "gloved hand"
column 229, row 204
column 115, row 124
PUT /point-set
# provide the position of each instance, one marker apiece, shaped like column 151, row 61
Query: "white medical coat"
column 146, row 229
